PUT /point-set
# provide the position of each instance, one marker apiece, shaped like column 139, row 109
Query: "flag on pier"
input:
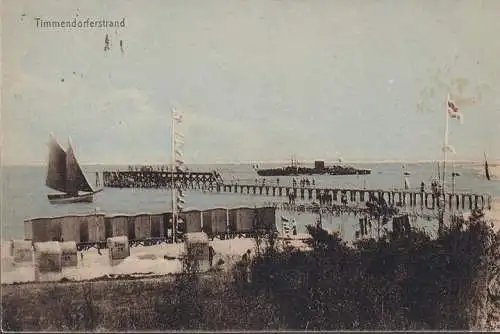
column 177, row 115
column 450, row 149
column 454, row 112
column 177, row 165
column 178, row 153
column 180, row 199
column 178, row 139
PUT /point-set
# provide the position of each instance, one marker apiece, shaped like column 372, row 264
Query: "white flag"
column 180, row 169
column 179, row 149
column 178, row 153
column 178, row 136
column 177, row 115
column 178, row 143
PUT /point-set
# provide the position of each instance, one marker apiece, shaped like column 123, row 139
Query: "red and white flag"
column 454, row 112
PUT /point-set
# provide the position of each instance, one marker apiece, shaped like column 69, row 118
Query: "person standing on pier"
column 247, row 265
column 319, row 224
column 211, row 254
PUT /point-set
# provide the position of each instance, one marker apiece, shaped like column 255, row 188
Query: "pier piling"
column 212, row 182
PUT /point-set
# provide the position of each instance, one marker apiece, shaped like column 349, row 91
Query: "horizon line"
column 35, row 164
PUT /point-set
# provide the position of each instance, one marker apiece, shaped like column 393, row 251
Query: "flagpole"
column 402, row 177
column 282, row 233
column 453, row 175
column 174, row 230
column 445, row 154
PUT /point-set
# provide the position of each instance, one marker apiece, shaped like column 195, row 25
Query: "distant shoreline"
column 285, row 162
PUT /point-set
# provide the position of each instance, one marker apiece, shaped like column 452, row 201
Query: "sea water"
column 24, row 194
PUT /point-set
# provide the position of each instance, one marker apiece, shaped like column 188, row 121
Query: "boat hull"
column 69, row 198
column 312, row 171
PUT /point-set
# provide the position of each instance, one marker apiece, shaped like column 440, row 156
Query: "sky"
column 256, row 80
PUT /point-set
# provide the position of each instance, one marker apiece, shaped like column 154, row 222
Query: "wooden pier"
column 212, row 182
column 403, row 198
column 159, row 179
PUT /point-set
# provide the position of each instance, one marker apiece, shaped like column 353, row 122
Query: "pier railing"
column 158, row 179
column 212, row 182
column 403, row 198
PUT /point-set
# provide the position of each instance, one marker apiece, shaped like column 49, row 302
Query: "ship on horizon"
column 319, row 168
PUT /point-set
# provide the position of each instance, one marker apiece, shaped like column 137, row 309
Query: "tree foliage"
column 396, row 282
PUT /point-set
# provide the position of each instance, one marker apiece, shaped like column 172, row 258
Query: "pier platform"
column 158, row 179
column 326, row 196
column 212, row 182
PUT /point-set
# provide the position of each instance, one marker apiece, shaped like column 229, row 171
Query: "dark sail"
column 56, row 172
column 486, row 170
column 75, row 179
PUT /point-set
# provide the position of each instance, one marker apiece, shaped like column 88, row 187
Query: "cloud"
column 277, row 84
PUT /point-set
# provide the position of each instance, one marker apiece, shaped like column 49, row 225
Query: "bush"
column 396, row 282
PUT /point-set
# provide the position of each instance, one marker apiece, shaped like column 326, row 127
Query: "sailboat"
column 64, row 174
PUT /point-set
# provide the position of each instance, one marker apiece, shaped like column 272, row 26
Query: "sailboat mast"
column 174, row 230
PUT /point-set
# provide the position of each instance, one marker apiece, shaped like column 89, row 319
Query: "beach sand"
column 143, row 261
column 494, row 214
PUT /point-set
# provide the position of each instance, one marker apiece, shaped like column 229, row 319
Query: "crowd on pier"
column 302, row 182
column 148, row 168
column 159, row 177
